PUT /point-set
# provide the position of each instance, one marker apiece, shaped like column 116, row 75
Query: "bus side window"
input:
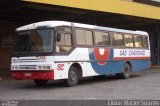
column 98, row 38
column 89, row 37
column 138, row 41
column 145, row 41
column 80, row 38
column 84, row 37
column 128, row 40
column 117, row 39
column 64, row 43
column 101, row 38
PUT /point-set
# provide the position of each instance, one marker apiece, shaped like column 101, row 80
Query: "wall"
column 7, row 30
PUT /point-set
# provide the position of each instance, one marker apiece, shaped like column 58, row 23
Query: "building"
column 126, row 14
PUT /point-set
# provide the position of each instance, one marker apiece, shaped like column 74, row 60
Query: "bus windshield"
column 34, row 41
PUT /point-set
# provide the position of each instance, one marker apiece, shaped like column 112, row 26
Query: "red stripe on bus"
column 131, row 58
column 49, row 75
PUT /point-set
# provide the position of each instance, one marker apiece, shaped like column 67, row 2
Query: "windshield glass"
column 34, row 41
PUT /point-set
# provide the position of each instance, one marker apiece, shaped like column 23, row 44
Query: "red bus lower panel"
column 49, row 75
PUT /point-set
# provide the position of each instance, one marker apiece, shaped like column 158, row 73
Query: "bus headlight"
column 39, row 67
column 44, row 67
column 48, row 67
column 12, row 67
column 16, row 67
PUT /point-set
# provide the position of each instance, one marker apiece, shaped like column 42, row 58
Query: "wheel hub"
column 73, row 76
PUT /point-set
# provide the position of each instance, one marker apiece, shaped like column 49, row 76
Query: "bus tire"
column 72, row 77
column 40, row 82
column 126, row 73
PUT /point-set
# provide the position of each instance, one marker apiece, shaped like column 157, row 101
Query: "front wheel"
column 72, row 77
column 126, row 73
column 40, row 82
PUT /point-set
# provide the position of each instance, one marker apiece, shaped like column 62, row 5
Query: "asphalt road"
column 143, row 85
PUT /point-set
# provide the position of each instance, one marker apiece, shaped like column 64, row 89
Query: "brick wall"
column 7, row 29
column 5, row 62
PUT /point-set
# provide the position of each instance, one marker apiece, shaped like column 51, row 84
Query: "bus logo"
column 100, row 58
column 60, row 67
column 101, row 55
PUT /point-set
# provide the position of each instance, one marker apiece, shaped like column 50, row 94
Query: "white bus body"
column 83, row 58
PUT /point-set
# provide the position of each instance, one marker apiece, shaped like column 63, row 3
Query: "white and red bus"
column 54, row 50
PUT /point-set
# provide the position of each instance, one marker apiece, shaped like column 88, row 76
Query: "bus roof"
column 51, row 24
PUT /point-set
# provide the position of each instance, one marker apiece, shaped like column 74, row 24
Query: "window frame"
column 125, row 41
column 134, row 40
column 147, row 41
column 111, row 35
column 72, row 41
column 102, row 33
column 85, row 29
column 41, row 53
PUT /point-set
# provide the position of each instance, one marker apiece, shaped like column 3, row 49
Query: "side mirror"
column 58, row 37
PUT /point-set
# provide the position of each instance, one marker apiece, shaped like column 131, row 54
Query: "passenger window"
column 117, row 39
column 128, row 40
column 138, row 41
column 88, row 38
column 84, row 37
column 64, row 45
column 80, row 37
column 145, row 41
column 98, row 38
column 101, row 38
column 106, row 39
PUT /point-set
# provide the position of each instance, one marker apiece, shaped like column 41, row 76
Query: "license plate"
column 27, row 74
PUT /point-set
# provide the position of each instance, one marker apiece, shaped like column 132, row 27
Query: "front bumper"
column 48, row 75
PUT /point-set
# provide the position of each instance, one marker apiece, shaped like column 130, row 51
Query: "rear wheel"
column 126, row 73
column 72, row 77
column 40, row 82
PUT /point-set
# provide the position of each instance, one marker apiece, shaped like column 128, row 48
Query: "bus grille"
column 27, row 67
